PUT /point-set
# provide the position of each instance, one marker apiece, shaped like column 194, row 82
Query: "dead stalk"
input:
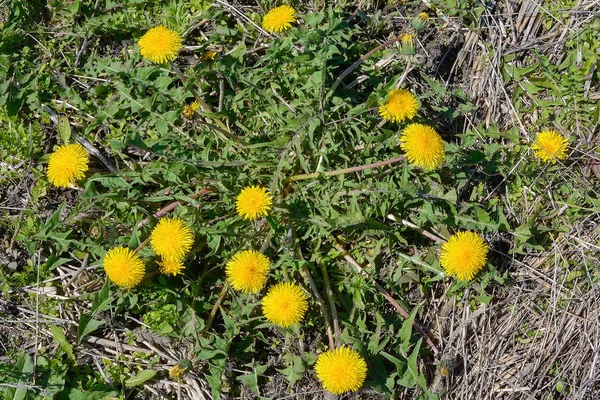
column 387, row 296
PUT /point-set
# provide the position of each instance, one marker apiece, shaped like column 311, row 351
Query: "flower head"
column 550, row 146
column 423, row 146
column 247, row 271
column 171, row 239
column 124, row 267
column 179, row 370
column 284, row 304
column 170, row 266
column 279, row 19
column 209, row 55
column 408, row 44
column 420, row 22
column 463, row 255
column 253, row 202
column 67, row 165
column 341, row 370
column 160, row 44
column 399, row 105
column 189, row 110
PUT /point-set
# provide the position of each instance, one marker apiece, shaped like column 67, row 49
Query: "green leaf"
column 24, row 368
column 102, row 299
column 412, row 376
column 140, row 378
column 406, row 330
column 64, row 129
column 60, row 338
column 251, row 380
column 295, row 369
column 86, row 326
column 76, row 394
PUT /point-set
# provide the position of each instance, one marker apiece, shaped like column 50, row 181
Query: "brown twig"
column 386, row 295
column 171, row 207
column 84, row 264
column 344, row 170
column 435, row 237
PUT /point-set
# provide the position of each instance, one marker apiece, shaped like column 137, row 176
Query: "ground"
column 296, row 112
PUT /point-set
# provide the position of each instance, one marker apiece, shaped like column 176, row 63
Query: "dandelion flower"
column 124, row 267
column 171, row 239
column 463, row 255
column 171, row 266
column 341, row 370
column 253, row 202
column 160, row 45
column 408, row 46
column 209, row 55
column 423, row 146
column 179, row 370
column 67, row 165
column 247, row 271
column 189, row 110
column 550, row 146
column 420, row 22
column 279, row 19
column 399, row 105
column 284, row 304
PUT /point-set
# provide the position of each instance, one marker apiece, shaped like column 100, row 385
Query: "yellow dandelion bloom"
column 176, row 372
column 408, row 44
column 399, row 105
column 550, row 146
column 209, row 55
column 279, row 19
column 284, row 304
column 341, row 370
column 179, row 370
column 171, row 239
column 423, row 146
column 160, row 45
column 67, row 165
column 189, row 110
column 247, row 271
column 171, row 266
column 420, row 22
column 463, row 255
column 423, row 16
column 124, row 267
column 253, row 202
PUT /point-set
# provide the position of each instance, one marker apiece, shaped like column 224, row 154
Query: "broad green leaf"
column 24, row 368
column 140, row 378
column 406, row 330
column 60, row 338
column 102, row 299
column 86, row 326
column 64, row 129
column 412, row 376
